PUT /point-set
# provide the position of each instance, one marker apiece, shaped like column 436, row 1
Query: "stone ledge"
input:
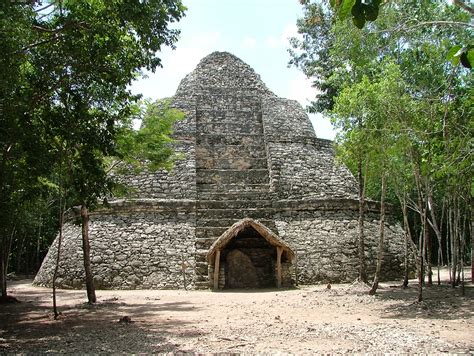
column 215, row 206
column 142, row 205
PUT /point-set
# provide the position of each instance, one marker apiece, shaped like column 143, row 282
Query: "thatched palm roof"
column 235, row 229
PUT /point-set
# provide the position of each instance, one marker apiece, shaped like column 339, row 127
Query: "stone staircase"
column 231, row 169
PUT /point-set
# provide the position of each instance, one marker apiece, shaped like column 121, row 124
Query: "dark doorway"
column 249, row 261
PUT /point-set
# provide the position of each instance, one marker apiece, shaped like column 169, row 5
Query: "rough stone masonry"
column 246, row 154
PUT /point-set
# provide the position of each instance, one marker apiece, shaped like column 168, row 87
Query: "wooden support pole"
column 278, row 266
column 216, row 269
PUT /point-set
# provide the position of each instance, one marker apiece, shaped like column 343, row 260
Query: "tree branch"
column 39, row 43
column 464, row 6
column 441, row 23
column 45, row 7
column 43, row 29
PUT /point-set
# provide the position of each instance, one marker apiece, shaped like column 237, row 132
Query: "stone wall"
column 325, row 243
column 178, row 183
column 128, row 251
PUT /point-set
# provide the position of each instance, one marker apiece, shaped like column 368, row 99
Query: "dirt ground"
column 310, row 319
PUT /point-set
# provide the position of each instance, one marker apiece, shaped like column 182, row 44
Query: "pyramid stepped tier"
column 255, row 199
column 233, row 159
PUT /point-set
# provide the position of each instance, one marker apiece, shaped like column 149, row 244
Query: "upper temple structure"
column 256, row 201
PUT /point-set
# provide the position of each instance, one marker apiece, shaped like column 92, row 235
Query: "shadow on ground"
column 439, row 302
column 29, row 326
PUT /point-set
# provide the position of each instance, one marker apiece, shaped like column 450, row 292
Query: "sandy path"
column 307, row 320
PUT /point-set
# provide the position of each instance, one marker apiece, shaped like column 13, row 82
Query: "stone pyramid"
column 254, row 172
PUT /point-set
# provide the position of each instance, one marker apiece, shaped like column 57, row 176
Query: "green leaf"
column 357, row 10
column 359, row 22
column 465, row 61
column 470, row 57
column 358, row 17
column 371, row 12
column 345, row 8
column 453, row 54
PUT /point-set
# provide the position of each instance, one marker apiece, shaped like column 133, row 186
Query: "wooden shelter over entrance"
column 249, row 255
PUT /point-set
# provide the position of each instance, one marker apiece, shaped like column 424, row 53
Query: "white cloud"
column 289, row 31
column 282, row 41
column 300, row 89
column 322, row 126
column 249, row 42
column 273, row 42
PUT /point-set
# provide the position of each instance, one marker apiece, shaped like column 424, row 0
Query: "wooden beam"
column 278, row 266
column 216, row 269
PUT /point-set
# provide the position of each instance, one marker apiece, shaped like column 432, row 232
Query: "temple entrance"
column 249, row 255
column 249, row 261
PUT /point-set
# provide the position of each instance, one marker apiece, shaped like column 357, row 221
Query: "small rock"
column 125, row 319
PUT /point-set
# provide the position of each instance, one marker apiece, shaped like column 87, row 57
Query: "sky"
column 256, row 31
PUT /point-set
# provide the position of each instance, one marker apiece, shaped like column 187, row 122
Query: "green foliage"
column 152, row 142
column 368, row 10
column 312, row 53
column 64, row 97
column 149, row 147
column 398, row 105
column 360, row 11
column 459, row 54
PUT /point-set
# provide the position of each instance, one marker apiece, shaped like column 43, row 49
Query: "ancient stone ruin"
column 256, row 201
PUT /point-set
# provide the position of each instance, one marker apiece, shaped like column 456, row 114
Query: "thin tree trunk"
column 458, row 240
column 3, row 273
column 449, row 239
column 4, row 255
column 426, row 237
column 58, row 255
column 454, row 242
column 361, row 245
column 422, row 211
column 440, row 247
column 87, row 259
column 21, row 246
column 471, row 230
column 378, row 268
column 461, row 254
column 408, row 238
column 420, row 271
column 436, row 229
column 56, row 268
column 38, row 244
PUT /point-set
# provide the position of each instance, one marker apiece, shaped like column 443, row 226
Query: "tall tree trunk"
column 471, row 231
column 427, row 243
column 87, row 259
column 58, row 255
column 21, row 247
column 38, row 244
column 361, row 243
column 420, row 271
column 3, row 273
column 455, row 246
column 461, row 254
column 440, row 241
column 422, row 212
column 378, row 268
column 408, row 240
column 429, row 206
column 4, row 256
column 449, row 239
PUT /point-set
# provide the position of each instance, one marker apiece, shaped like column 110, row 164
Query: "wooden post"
column 216, row 269
column 278, row 266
